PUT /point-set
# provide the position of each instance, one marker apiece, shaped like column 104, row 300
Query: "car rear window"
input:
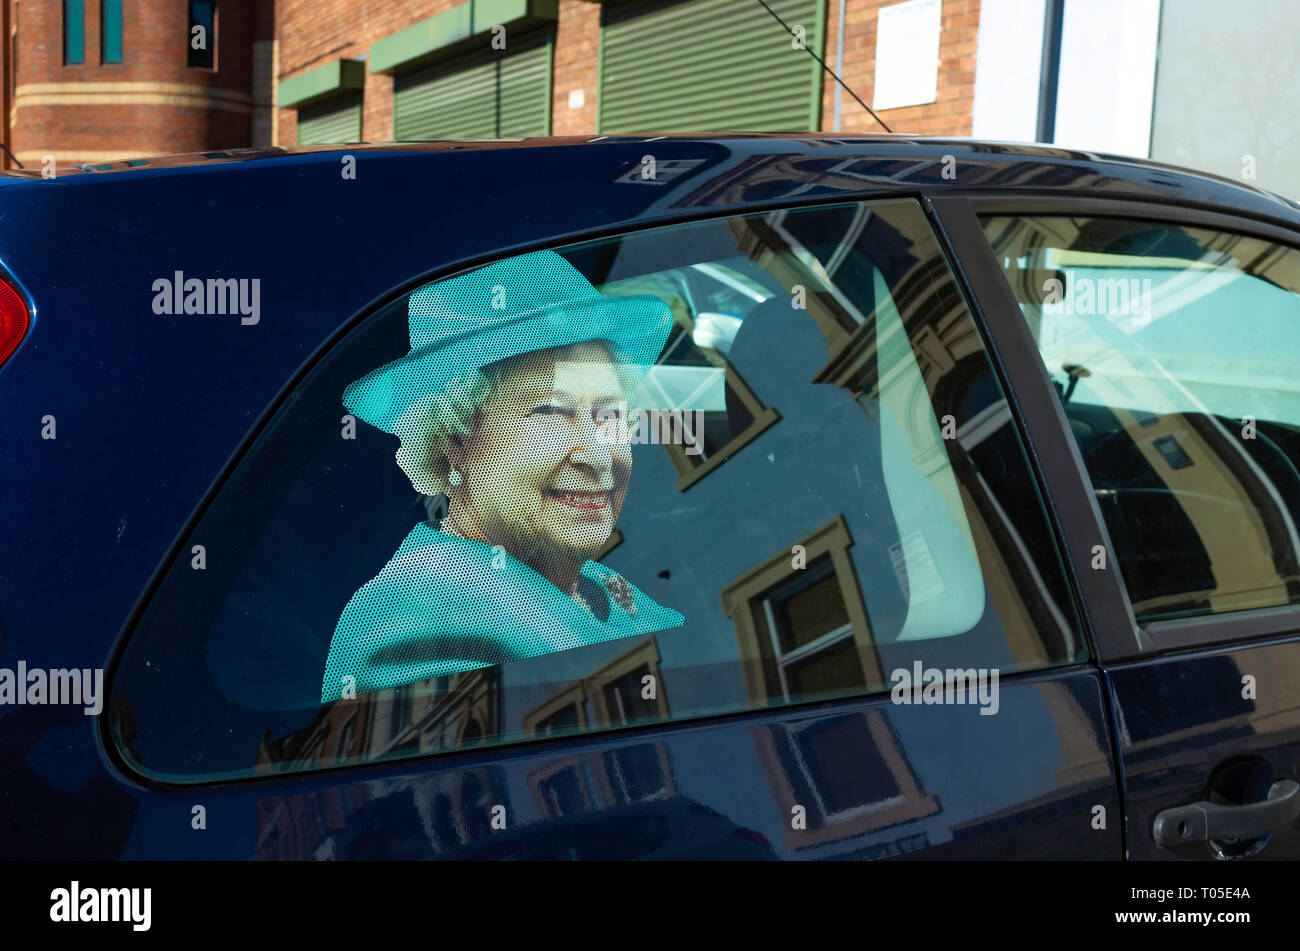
column 686, row 471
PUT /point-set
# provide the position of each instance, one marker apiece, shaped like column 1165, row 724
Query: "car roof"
column 787, row 164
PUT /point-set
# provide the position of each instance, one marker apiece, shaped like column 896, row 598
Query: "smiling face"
column 543, row 472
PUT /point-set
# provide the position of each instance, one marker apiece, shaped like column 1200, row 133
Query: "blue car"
column 711, row 497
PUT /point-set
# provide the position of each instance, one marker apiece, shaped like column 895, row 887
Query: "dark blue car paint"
column 1180, row 717
column 149, row 413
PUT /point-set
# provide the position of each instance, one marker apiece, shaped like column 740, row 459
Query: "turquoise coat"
column 440, row 606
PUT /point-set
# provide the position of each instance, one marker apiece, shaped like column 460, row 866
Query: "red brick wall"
column 950, row 115
column 313, row 32
column 577, row 41
column 154, row 48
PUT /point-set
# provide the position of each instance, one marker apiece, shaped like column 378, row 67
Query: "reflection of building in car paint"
column 590, row 782
column 427, row 717
column 455, row 713
column 840, row 800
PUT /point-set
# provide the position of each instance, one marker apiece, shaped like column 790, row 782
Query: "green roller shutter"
column 336, row 121
column 710, row 66
column 486, row 95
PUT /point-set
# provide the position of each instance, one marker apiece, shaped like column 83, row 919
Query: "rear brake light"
column 14, row 321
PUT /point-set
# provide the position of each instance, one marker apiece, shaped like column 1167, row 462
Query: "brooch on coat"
column 621, row 592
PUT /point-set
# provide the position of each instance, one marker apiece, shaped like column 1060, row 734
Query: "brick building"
column 609, row 51
column 102, row 80
column 107, row 80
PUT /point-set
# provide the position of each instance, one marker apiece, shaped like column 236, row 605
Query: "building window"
column 74, row 32
column 705, row 300
column 805, row 625
column 723, row 431
column 618, row 690
column 110, row 31
column 636, row 773
column 625, row 700
column 564, row 792
column 808, row 623
column 615, row 693
column 844, row 799
column 563, row 713
column 202, row 36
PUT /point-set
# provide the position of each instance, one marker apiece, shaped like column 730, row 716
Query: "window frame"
column 191, row 22
column 588, row 694
column 110, row 12
column 67, row 32
column 752, row 591
column 818, row 645
column 912, row 802
column 1103, row 598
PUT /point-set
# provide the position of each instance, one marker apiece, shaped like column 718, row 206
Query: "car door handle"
column 1202, row 821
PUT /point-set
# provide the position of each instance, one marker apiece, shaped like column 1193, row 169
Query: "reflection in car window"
column 688, row 471
column 1174, row 351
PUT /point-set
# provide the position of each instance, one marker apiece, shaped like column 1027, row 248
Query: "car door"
column 829, row 620
column 1157, row 348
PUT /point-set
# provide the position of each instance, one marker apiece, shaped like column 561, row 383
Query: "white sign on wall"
column 907, row 54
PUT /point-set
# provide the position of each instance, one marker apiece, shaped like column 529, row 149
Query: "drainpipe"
column 1049, row 72
column 839, row 65
column 6, row 82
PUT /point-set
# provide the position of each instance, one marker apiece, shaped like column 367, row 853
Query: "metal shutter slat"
column 708, row 64
column 484, row 95
column 330, row 123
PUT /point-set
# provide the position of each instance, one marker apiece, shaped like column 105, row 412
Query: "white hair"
column 435, row 423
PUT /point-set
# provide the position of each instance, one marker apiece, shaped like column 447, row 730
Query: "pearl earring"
column 454, row 477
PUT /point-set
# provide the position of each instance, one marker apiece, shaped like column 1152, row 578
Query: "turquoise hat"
column 525, row 303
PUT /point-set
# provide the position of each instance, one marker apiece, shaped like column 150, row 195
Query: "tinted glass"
column 74, row 32
column 1174, row 352
column 687, row 471
column 110, row 31
column 201, row 37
